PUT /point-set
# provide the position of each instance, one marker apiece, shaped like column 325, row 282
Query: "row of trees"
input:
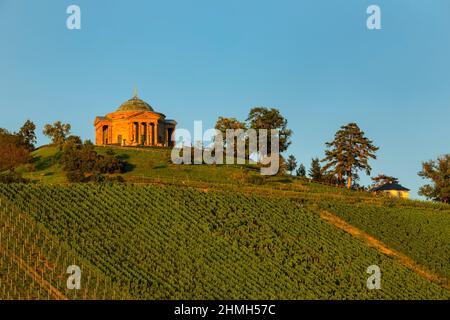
column 79, row 160
column 259, row 118
column 350, row 152
column 16, row 147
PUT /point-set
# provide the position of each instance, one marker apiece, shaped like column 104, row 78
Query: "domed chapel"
column 134, row 123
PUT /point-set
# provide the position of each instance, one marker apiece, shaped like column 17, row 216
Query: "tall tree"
column 28, row 135
column 438, row 171
column 382, row 179
column 264, row 118
column 12, row 151
column 315, row 172
column 223, row 124
column 57, row 132
column 349, row 153
column 291, row 164
column 301, row 171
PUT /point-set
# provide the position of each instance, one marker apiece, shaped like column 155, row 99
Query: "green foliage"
column 179, row 243
column 382, row 179
column 301, row 171
column 271, row 119
column 33, row 260
column 28, row 135
column 81, row 162
column 438, row 171
column 256, row 179
column 13, row 152
column 57, row 132
column 291, row 163
column 421, row 233
column 11, row 176
column 223, row 124
column 349, row 153
column 315, row 171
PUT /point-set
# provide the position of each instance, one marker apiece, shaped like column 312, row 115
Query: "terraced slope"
column 180, row 243
column 422, row 233
column 33, row 263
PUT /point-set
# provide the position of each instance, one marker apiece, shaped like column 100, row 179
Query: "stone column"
column 156, row 133
column 166, row 130
column 130, row 133
column 149, row 133
column 110, row 134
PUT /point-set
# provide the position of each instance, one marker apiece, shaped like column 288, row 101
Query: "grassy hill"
column 210, row 232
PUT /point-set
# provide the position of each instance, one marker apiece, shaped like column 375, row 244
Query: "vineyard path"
column 373, row 242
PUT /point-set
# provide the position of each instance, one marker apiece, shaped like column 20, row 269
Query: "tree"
column 291, row 164
column 264, row 118
column 57, row 132
column 301, row 171
column 349, row 153
column 82, row 163
column 315, row 172
column 28, row 135
column 438, row 171
column 382, row 179
column 223, row 124
column 12, row 151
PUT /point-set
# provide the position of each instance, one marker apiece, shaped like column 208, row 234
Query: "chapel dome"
column 135, row 104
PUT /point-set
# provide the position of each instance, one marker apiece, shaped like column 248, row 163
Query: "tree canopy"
column 301, row 171
column 382, row 179
column 57, row 132
column 315, row 171
column 291, row 164
column 349, row 153
column 28, row 135
column 438, row 171
column 271, row 119
column 13, row 151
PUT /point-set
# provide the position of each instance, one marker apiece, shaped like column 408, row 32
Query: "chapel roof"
column 135, row 104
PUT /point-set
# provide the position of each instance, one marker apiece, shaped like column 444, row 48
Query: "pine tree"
column 301, row 171
column 291, row 164
column 315, row 172
column 349, row 153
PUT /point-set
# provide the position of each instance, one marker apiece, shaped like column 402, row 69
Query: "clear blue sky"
column 195, row 60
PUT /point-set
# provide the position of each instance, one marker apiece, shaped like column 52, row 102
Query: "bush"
column 82, row 163
column 256, row 179
column 12, row 177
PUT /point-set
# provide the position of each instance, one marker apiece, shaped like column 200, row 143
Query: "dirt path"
column 371, row 241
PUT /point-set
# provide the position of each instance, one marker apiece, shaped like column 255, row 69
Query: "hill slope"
column 207, row 232
column 180, row 243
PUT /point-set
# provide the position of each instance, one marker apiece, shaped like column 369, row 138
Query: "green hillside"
column 211, row 232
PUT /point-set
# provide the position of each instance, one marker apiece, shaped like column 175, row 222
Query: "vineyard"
column 167, row 242
column 33, row 263
column 421, row 233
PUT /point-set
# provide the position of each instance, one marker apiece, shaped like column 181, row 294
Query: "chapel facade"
column 134, row 123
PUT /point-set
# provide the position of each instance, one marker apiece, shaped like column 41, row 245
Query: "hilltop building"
column 392, row 189
column 134, row 123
